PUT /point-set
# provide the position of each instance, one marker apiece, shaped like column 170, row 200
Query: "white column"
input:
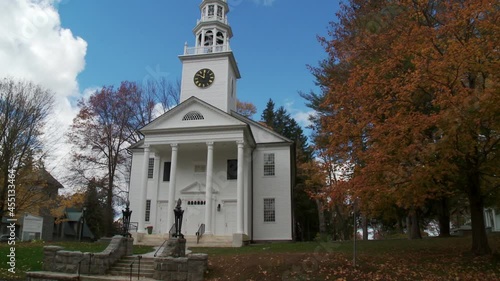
column 208, row 184
column 239, row 188
column 171, row 187
column 144, row 195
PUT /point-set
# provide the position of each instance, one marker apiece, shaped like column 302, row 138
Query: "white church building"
column 233, row 175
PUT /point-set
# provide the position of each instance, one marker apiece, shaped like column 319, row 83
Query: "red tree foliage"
column 411, row 94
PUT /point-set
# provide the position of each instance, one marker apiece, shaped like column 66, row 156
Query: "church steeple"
column 209, row 68
column 212, row 30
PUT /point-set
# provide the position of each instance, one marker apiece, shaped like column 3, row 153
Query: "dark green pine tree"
column 95, row 205
column 268, row 114
column 305, row 209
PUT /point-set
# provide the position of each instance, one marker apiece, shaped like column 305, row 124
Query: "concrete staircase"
column 210, row 241
column 122, row 267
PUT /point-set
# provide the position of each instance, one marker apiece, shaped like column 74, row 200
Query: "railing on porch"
column 171, row 232
column 133, row 226
column 159, row 248
column 200, row 232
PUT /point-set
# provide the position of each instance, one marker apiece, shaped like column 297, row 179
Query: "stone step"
column 124, row 277
column 134, row 268
column 148, row 273
column 122, row 267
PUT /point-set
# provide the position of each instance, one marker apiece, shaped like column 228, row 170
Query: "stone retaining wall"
column 190, row 268
column 57, row 260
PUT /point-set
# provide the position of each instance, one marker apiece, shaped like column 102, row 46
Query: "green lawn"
column 402, row 259
column 29, row 255
column 399, row 259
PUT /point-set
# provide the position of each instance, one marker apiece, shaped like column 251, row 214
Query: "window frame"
column 269, row 167
column 232, row 174
column 151, row 168
column 269, row 210
column 166, row 172
column 147, row 214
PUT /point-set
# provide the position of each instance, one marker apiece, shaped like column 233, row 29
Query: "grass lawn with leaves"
column 29, row 255
column 425, row 259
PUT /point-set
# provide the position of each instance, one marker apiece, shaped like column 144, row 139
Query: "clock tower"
column 209, row 69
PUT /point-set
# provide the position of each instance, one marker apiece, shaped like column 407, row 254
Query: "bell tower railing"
column 206, row 49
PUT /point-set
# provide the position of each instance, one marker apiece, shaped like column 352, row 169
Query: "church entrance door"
column 162, row 216
column 195, row 216
column 230, row 218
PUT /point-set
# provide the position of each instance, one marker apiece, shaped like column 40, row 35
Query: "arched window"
column 209, row 38
column 193, row 115
column 219, row 38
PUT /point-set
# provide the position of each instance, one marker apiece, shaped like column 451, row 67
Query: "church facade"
column 234, row 176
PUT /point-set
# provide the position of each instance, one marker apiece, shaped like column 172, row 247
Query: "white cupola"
column 209, row 70
column 212, row 30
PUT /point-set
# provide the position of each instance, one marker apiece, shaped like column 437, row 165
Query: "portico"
column 208, row 170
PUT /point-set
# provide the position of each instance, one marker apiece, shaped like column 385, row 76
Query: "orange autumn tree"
column 410, row 98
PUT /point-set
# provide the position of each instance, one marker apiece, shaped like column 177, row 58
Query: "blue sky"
column 273, row 41
column 74, row 47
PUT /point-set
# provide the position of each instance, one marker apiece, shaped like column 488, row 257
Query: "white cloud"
column 264, row 2
column 300, row 115
column 35, row 47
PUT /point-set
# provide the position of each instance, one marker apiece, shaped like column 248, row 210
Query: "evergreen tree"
column 96, row 206
column 305, row 208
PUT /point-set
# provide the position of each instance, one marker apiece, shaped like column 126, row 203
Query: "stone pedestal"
column 190, row 268
column 176, row 247
column 239, row 239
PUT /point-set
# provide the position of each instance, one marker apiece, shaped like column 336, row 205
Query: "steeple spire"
column 212, row 31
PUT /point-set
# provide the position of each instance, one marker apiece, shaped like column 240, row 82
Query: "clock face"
column 204, row 78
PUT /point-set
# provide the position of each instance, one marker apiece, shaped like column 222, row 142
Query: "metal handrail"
column 79, row 265
column 130, row 274
column 200, row 232
column 90, row 260
column 133, row 225
column 159, row 247
column 139, row 267
column 171, row 232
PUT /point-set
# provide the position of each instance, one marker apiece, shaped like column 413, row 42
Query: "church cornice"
column 228, row 54
column 206, row 24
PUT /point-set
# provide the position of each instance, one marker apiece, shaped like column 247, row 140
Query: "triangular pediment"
column 196, row 188
column 192, row 113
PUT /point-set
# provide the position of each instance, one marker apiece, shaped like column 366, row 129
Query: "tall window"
column 148, row 210
column 166, row 171
column 151, row 166
column 232, row 169
column 219, row 12
column 269, row 210
column 211, row 10
column 269, row 169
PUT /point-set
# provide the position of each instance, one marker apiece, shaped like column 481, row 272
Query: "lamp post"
column 82, row 220
column 126, row 220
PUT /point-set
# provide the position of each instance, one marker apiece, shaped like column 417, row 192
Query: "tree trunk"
column 413, row 225
column 444, row 218
column 321, row 217
column 480, row 244
column 365, row 227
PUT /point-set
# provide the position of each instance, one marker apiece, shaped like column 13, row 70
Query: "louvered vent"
column 193, row 115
